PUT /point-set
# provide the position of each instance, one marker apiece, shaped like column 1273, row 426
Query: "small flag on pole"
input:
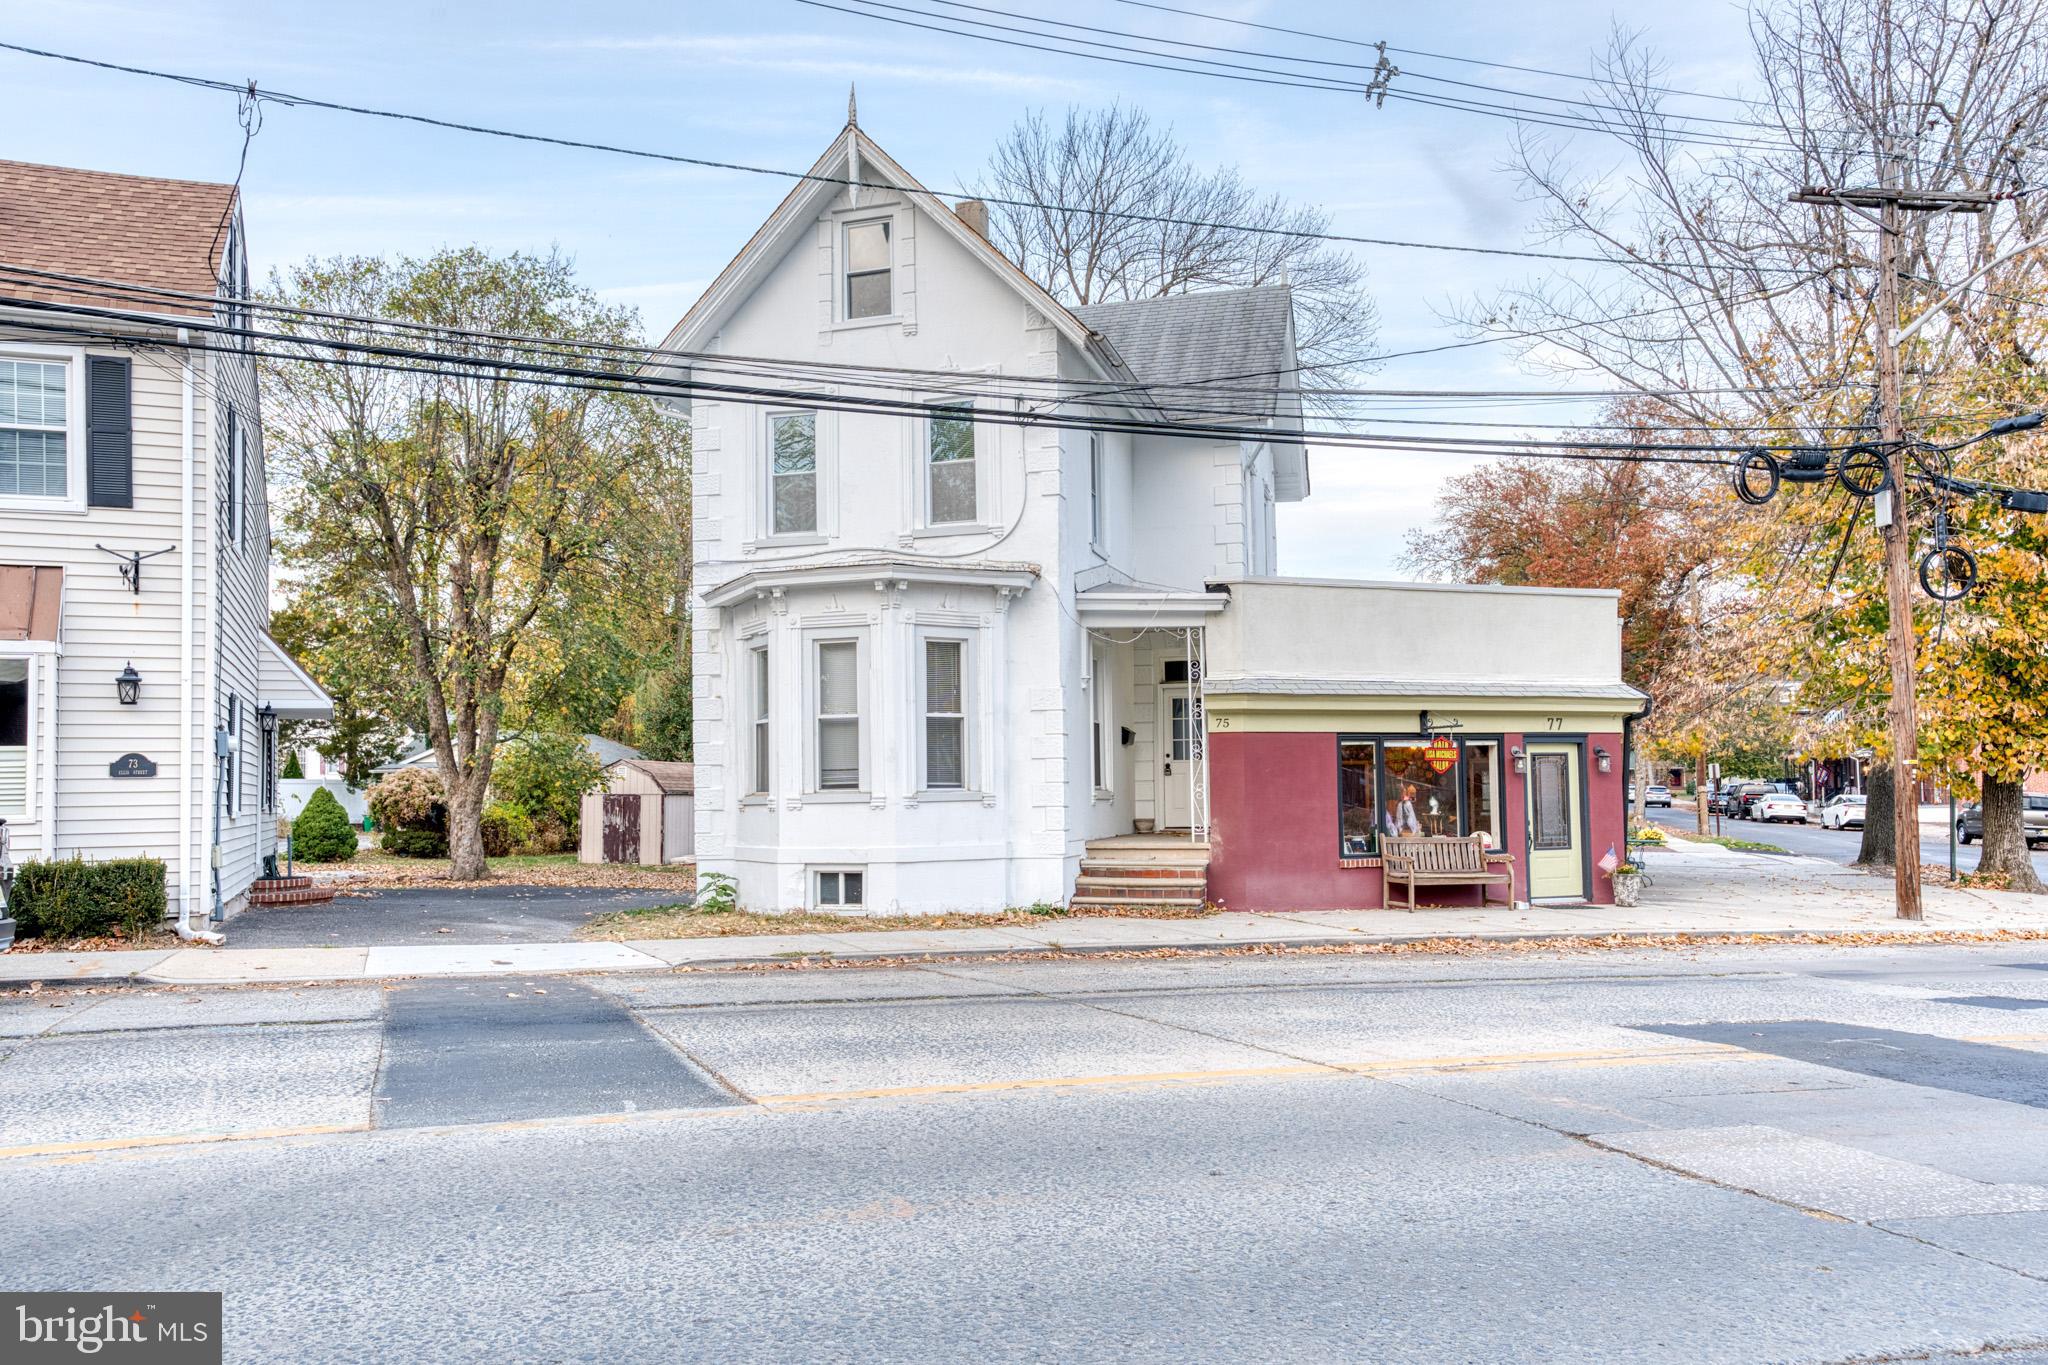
column 1608, row 862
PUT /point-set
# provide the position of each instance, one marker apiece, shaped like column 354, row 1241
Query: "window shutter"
column 109, row 432
column 224, row 480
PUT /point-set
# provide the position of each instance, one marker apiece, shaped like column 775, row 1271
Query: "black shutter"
column 109, row 432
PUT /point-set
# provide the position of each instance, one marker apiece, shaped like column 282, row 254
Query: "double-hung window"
column 793, row 473
column 36, row 410
column 838, row 715
column 949, row 466
column 945, row 715
column 761, row 752
column 868, row 256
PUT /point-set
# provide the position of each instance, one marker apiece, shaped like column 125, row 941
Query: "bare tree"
column 1106, row 205
column 1751, row 315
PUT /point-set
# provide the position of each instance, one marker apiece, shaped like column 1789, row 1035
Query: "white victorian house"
column 947, row 625
column 139, row 688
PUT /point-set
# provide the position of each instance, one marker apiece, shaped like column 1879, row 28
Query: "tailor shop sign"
column 163, row 1329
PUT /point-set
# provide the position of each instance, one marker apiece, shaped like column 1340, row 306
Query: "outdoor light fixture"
column 1601, row 757
column 1521, row 759
column 128, row 685
column 266, row 716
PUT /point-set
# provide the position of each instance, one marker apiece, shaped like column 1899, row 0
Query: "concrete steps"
column 289, row 891
column 1156, row 871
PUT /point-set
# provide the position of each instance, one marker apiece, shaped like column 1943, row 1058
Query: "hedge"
column 506, row 829
column 415, row 843
column 322, row 833
column 77, row 899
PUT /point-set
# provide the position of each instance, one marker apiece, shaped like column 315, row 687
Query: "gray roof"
column 1203, row 339
column 608, row 751
column 674, row 779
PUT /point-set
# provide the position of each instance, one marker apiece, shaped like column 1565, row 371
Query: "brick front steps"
column 289, row 891
column 1159, row 871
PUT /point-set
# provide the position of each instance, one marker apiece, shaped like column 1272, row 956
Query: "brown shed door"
column 621, row 829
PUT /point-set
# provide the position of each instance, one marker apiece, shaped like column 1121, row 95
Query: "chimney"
column 974, row 213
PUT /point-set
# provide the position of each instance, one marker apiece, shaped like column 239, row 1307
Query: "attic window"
column 867, row 258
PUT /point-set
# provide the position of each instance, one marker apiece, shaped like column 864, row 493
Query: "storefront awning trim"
column 1518, row 689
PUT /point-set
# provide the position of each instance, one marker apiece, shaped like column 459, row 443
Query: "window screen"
column 34, row 426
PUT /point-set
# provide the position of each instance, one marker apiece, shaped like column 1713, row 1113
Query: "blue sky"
column 766, row 83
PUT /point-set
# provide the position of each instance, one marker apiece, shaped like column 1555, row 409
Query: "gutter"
column 188, row 880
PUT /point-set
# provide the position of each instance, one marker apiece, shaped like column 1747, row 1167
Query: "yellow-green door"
column 1557, row 866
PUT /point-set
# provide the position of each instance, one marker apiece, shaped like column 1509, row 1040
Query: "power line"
column 814, row 177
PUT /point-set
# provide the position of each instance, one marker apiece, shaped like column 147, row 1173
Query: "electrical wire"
column 815, row 177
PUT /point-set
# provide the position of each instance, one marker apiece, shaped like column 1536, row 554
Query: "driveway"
column 492, row 914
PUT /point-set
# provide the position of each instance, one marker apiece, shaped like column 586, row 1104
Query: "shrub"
column 415, row 843
column 550, row 835
column 77, row 899
column 322, row 833
column 411, row 798
column 546, row 775
column 506, row 828
column 293, row 769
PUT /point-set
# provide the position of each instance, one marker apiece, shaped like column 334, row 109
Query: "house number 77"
column 1553, row 722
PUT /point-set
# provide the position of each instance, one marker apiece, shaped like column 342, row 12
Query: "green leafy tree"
column 662, row 716
column 546, row 775
column 462, row 521
column 322, row 832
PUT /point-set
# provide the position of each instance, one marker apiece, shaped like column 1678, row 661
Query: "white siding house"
column 125, row 433
column 922, row 638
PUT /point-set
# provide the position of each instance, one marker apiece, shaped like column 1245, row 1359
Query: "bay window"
column 945, row 715
column 793, row 473
column 838, row 703
column 761, row 785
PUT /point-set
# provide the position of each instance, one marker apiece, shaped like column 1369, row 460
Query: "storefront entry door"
column 1177, row 757
column 1556, row 833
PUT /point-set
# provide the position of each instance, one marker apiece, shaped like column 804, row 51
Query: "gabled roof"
column 799, row 209
column 1222, row 339
column 168, row 234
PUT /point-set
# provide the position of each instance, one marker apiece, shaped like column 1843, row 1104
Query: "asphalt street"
column 1767, row 1154
column 1836, row 845
column 504, row 913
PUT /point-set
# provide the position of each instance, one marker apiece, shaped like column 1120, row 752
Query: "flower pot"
column 1628, row 888
column 1142, row 826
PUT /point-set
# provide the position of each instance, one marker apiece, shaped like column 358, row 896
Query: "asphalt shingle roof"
column 135, row 228
column 1203, row 338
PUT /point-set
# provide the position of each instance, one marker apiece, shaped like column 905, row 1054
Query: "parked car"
column 1721, row 802
column 1843, row 812
column 1755, row 793
column 1775, row 806
column 1654, row 795
column 2033, row 817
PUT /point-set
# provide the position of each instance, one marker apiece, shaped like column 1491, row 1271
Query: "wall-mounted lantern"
column 128, row 685
column 266, row 716
column 1521, row 759
column 1603, row 758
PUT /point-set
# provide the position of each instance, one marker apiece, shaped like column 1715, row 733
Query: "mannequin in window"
column 1405, row 820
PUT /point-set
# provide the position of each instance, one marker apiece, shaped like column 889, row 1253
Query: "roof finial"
column 852, row 114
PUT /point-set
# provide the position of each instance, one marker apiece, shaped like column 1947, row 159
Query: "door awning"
column 31, row 602
column 288, row 689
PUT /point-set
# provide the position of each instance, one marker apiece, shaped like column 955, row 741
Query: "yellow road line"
column 96, row 1145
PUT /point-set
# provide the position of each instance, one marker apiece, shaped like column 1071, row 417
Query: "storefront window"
column 1414, row 797
column 1358, row 817
column 1482, row 787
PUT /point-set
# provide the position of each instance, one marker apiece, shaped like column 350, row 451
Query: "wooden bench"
column 1418, row 860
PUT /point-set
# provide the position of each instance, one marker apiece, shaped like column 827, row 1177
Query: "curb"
column 922, row 955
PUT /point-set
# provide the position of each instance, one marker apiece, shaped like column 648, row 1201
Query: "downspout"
column 188, row 866
column 1628, row 762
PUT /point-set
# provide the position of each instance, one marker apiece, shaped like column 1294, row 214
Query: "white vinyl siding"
column 838, row 715
column 793, row 473
column 945, row 715
column 950, row 493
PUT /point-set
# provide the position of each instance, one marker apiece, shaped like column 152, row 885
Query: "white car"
column 1843, row 812
column 1781, row 806
column 1657, row 796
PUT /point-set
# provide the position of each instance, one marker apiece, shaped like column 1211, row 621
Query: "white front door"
column 1556, row 834
column 1179, row 757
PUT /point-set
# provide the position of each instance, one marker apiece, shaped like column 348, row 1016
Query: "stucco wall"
column 1313, row 629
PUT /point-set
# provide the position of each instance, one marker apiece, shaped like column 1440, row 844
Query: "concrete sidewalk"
column 1693, row 889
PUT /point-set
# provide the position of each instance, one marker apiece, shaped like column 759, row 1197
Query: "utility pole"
column 1893, row 528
